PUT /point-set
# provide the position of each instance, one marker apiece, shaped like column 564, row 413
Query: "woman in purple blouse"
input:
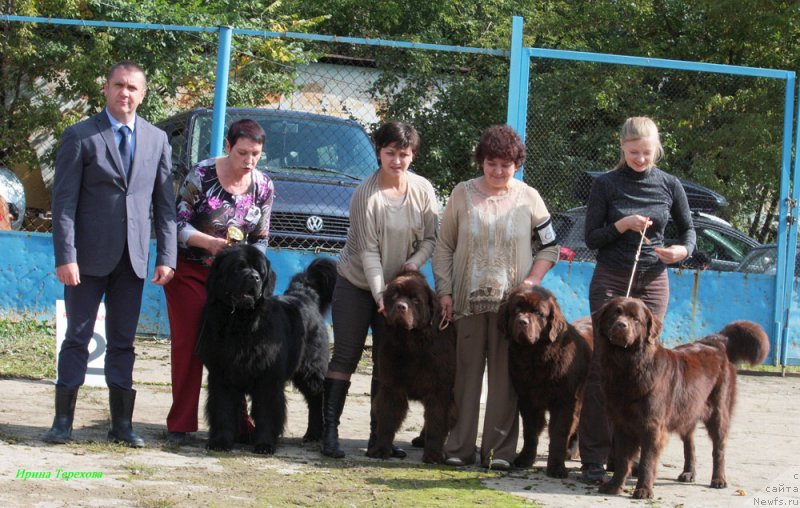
column 218, row 196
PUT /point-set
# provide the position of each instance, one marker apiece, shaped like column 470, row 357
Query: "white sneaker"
column 500, row 465
column 454, row 461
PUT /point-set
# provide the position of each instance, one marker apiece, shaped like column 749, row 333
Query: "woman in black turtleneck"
column 623, row 202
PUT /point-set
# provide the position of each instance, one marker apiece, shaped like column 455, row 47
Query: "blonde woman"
column 635, row 196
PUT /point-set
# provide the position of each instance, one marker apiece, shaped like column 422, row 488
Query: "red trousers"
column 186, row 296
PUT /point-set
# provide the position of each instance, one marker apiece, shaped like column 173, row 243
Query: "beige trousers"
column 480, row 344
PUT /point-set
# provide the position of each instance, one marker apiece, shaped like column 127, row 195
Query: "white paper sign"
column 95, row 373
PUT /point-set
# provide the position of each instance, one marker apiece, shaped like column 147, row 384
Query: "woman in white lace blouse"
column 495, row 235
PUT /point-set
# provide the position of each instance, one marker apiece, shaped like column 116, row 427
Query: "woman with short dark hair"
column 221, row 200
column 393, row 224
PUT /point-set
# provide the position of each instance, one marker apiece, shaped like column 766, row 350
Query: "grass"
column 287, row 482
column 27, row 349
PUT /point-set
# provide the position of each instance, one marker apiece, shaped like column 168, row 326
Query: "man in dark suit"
column 110, row 169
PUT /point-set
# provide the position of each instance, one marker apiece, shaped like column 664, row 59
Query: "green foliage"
column 27, row 349
column 722, row 131
column 44, row 66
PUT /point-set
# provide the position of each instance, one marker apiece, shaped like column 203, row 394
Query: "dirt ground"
column 762, row 458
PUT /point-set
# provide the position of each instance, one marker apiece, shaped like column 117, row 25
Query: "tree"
column 721, row 131
column 43, row 66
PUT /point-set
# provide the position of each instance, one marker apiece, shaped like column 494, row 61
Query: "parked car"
column 701, row 198
column 720, row 246
column 315, row 161
column 764, row 259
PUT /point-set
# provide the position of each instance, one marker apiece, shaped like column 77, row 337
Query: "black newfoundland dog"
column 417, row 361
column 253, row 343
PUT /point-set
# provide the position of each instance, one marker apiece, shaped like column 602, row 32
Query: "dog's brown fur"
column 548, row 362
column 652, row 391
column 417, row 361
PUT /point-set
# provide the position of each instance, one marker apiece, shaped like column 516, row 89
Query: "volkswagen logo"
column 314, row 224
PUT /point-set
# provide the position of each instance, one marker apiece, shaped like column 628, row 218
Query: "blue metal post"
column 221, row 90
column 518, row 73
column 782, row 340
column 787, row 232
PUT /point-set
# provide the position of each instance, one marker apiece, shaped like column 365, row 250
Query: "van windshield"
column 299, row 143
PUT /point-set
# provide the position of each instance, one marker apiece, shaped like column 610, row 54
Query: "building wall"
column 700, row 302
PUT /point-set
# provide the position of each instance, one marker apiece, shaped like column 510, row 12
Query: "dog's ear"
column 503, row 317
column 269, row 278
column 211, row 281
column 598, row 318
column 654, row 325
column 435, row 307
column 556, row 320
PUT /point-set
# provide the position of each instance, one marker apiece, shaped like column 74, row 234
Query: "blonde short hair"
column 638, row 127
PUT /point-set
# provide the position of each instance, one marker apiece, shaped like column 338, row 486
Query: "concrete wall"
column 700, row 302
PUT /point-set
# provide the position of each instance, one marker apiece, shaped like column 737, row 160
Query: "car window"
column 720, row 245
column 301, row 143
column 177, row 140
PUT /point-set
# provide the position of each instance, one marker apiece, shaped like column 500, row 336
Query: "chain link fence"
column 320, row 100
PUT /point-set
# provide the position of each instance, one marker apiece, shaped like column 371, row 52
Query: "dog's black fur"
column 253, row 343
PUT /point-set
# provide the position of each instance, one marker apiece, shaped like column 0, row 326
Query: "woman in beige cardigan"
column 393, row 223
column 495, row 235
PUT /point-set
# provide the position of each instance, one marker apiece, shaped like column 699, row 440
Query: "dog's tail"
column 321, row 275
column 746, row 341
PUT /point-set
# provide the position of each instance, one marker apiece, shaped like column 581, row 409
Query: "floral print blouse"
column 205, row 206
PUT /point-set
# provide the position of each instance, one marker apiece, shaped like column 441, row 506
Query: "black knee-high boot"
column 61, row 431
column 121, row 403
column 333, row 397
column 397, row 452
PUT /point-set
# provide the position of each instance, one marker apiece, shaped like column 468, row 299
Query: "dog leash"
column 636, row 261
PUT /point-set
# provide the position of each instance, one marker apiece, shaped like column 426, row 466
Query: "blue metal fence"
column 700, row 302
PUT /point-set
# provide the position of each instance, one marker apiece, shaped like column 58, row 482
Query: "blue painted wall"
column 700, row 302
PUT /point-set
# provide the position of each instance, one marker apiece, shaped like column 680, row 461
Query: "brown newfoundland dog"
column 417, row 361
column 652, row 391
column 548, row 362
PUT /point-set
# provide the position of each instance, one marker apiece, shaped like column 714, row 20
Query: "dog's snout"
column 619, row 324
column 401, row 307
column 254, row 276
column 523, row 321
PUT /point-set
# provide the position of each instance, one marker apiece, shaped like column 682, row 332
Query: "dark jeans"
column 653, row 288
column 354, row 312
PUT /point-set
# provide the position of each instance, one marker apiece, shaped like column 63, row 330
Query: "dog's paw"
column 311, row 437
column 524, row 461
column 643, row 493
column 687, row 477
column 219, row 445
column 557, row 471
column 432, row 458
column 610, row 488
column 718, row 483
column 418, row 442
column 379, row 452
column 264, row 449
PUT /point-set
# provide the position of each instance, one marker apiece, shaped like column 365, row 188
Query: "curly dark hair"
column 500, row 142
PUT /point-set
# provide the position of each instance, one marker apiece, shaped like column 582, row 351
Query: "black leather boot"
column 333, row 397
column 397, row 452
column 121, row 404
column 61, row 431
